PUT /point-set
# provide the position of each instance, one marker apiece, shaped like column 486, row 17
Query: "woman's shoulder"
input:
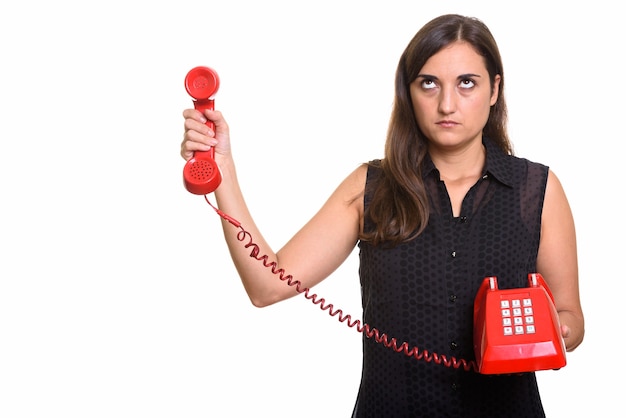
column 513, row 169
column 373, row 168
column 354, row 183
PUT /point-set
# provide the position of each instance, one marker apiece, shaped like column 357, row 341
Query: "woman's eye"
column 428, row 84
column 466, row 84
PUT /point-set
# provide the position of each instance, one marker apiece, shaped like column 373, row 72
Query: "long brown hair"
column 399, row 208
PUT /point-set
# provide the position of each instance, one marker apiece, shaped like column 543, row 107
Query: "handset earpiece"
column 201, row 174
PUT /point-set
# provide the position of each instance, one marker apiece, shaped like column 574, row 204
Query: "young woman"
column 447, row 206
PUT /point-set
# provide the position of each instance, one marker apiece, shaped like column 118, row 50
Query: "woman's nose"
column 447, row 101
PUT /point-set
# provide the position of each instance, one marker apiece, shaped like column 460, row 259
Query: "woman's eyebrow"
column 460, row 77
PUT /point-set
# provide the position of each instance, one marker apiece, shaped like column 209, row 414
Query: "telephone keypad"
column 517, row 316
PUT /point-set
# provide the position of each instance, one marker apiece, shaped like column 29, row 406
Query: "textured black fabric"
column 422, row 292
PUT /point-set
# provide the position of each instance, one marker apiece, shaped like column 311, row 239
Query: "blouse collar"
column 497, row 164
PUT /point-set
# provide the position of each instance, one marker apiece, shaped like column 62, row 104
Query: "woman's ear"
column 495, row 90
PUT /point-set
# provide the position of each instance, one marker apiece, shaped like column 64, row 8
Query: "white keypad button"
column 517, row 316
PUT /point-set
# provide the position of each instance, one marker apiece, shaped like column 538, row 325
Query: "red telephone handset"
column 201, row 175
column 517, row 330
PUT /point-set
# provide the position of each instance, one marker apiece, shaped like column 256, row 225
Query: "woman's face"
column 452, row 96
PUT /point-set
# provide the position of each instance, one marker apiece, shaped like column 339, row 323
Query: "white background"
column 117, row 295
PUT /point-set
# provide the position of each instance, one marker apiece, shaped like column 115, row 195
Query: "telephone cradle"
column 517, row 330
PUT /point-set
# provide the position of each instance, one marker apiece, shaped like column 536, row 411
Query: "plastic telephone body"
column 517, row 330
column 201, row 175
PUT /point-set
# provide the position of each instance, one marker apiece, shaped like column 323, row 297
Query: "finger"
column 192, row 125
column 195, row 115
column 193, row 136
column 188, row 148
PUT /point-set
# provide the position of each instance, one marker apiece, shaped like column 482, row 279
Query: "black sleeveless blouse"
column 422, row 292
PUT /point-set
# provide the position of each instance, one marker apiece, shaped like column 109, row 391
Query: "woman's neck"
column 460, row 164
column 460, row 170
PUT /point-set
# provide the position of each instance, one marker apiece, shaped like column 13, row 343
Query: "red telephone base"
column 517, row 330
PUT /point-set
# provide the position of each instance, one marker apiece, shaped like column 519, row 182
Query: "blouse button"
column 454, row 345
column 463, row 219
column 452, row 298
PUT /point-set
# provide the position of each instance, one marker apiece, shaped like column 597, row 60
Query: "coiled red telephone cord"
column 369, row 332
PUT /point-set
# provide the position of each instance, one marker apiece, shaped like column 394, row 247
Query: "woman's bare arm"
column 558, row 261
